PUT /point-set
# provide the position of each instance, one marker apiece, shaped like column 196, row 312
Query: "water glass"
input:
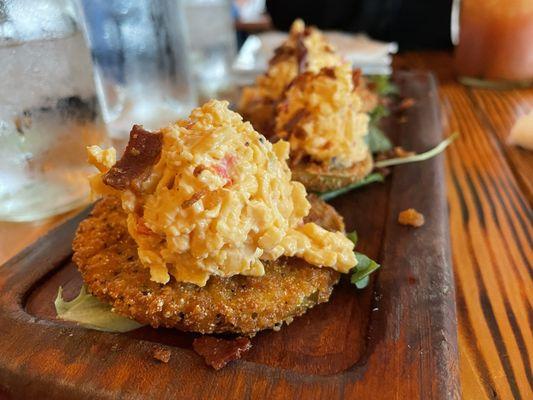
column 49, row 110
column 142, row 65
column 212, row 44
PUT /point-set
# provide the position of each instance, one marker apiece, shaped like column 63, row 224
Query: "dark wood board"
column 395, row 339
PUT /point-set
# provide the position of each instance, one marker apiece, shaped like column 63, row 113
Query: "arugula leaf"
column 377, row 140
column 383, row 85
column 353, row 237
column 362, row 283
column 418, row 157
column 90, row 312
column 365, row 266
column 370, row 178
column 380, row 111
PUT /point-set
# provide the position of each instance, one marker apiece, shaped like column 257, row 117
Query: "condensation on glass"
column 212, row 44
column 49, row 110
column 141, row 60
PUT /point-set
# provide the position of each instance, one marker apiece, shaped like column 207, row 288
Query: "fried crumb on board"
column 217, row 352
column 405, row 104
column 161, row 353
column 411, row 217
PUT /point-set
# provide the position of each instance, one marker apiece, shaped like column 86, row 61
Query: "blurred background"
column 79, row 72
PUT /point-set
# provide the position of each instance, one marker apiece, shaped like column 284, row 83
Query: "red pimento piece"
column 223, row 168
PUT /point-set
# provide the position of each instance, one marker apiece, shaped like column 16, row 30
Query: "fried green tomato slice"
column 106, row 256
column 316, row 178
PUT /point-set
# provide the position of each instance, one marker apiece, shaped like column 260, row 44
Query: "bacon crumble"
column 162, row 354
column 142, row 152
column 217, row 352
column 195, row 197
column 356, row 78
column 298, row 115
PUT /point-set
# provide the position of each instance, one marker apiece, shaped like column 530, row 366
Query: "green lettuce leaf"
column 370, row 178
column 362, row 283
column 353, row 237
column 380, row 111
column 365, row 266
column 89, row 312
column 383, row 85
column 377, row 140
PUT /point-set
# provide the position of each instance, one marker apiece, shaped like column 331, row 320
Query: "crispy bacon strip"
column 301, row 54
column 285, row 52
column 296, row 118
column 142, row 152
column 306, row 77
column 195, row 197
column 329, row 72
column 356, row 77
column 218, row 352
column 281, row 53
column 302, row 80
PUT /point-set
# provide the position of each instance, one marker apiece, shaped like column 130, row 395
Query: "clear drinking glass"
column 142, row 66
column 212, row 44
column 49, row 111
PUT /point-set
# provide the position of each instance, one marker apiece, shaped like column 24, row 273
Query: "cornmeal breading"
column 106, row 255
column 317, row 178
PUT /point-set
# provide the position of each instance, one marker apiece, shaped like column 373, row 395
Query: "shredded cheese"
column 220, row 201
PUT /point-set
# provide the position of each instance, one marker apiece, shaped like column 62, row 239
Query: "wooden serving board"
column 395, row 339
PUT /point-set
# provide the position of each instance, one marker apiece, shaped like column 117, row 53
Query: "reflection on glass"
column 212, row 44
column 139, row 48
column 48, row 110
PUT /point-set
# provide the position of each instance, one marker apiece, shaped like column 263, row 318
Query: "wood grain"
column 15, row 236
column 492, row 254
column 498, row 111
column 321, row 351
column 503, row 194
column 489, row 185
column 411, row 347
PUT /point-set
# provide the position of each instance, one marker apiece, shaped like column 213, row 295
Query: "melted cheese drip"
column 220, row 201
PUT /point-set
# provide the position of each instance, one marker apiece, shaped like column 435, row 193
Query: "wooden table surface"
column 490, row 192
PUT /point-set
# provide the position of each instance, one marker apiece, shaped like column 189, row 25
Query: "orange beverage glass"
column 495, row 46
